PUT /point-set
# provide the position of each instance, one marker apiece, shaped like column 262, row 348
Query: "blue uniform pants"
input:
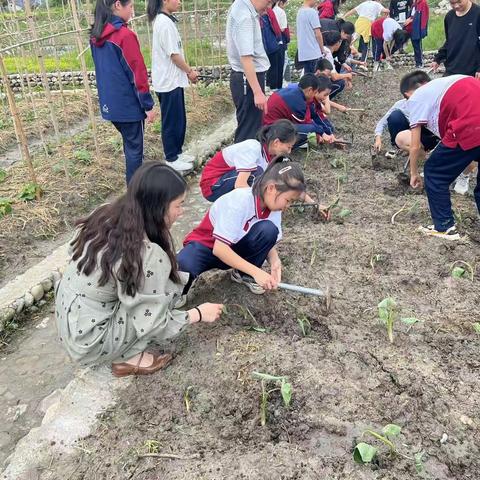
column 417, row 50
column 337, row 88
column 226, row 183
column 132, row 136
column 195, row 258
column 377, row 48
column 174, row 122
column 309, row 66
column 441, row 169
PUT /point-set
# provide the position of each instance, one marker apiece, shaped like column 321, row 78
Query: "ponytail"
column 283, row 130
column 284, row 174
column 102, row 15
column 154, row 7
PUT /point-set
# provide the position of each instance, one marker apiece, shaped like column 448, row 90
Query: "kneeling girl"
column 241, row 229
column 236, row 166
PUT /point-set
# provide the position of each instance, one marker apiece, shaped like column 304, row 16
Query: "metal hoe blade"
column 309, row 291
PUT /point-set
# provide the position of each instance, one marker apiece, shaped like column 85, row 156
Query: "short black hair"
column 323, row 64
column 331, row 37
column 324, row 83
column 309, row 80
column 348, row 28
column 400, row 38
column 413, row 80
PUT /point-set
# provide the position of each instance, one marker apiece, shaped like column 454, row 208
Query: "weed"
column 476, row 327
column 459, row 272
column 376, row 259
column 305, row 325
column 151, row 446
column 285, row 390
column 29, row 192
column 5, row 206
column 3, row 175
column 344, row 212
column 83, row 156
column 156, row 127
column 187, row 399
column 388, row 312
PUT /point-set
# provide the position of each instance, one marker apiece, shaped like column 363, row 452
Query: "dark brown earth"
column 345, row 374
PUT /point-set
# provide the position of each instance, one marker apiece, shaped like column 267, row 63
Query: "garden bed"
column 204, row 410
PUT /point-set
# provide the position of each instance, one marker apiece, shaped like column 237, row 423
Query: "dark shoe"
column 125, row 369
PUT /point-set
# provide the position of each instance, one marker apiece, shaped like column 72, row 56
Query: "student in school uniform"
column 119, row 292
column 324, row 68
column 340, row 79
column 122, row 78
column 295, row 103
column 326, row 9
column 388, row 37
column 273, row 43
column 309, row 36
column 367, row 13
column 346, row 31
column 241, row 229
column 237, row 165
column 170, row 76
column 281, row 16
column 449, row 108
column 417, row 27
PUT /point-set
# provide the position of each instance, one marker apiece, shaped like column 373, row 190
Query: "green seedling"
column 344, row 212
column 151, row 446
column 305, row 325
column 285, row 390
column 476, row 327
column 29, row 192
column 376, row 259
column 458, row 271
column 388, row 312
column 83, row 156
column 5, row 206
column 337, row 162
column 3, row 175
column 187, row 399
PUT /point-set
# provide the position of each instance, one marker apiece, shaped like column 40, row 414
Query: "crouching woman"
column 118, row 293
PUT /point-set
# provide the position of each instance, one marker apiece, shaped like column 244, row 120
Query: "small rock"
column 42, row 302
column 7, row 314
column 43, row 323
column 33, row 309
column 28, row 299
column 19, row 304
column 444, row 439
column 467, row 421
column 37, row 292
column 47, row 285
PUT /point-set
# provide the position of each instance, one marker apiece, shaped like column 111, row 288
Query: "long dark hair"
column 154, row 7
column 285, row 174
column 116, row 230
column 283, row 130
column 103, row 14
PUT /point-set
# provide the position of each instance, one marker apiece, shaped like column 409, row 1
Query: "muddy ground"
column 34, row 228
column 346, row 376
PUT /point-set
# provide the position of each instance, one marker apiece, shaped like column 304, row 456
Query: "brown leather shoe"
column 125, row 369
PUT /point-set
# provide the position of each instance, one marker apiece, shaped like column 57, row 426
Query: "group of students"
column 124, row 287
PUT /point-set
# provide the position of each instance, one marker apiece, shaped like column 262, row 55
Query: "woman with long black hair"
column 119, row 292
column 121, row 76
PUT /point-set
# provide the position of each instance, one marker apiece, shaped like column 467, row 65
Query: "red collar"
column 265, row 154
column 259, row 213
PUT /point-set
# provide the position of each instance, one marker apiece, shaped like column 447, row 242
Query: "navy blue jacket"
column 121, row 75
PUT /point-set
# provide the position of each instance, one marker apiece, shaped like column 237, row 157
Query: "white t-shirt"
column 369, row 9
column 281, row 17
column 390, row 26
column 424, row 105
column 307, row 44
column 166, row 76
column 245, row 156
column 329, row 57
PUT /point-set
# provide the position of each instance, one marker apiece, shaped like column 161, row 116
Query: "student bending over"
column 237, row 166
column 340, row 80
column 241, row 229
column 118, row 293
column 449, row 107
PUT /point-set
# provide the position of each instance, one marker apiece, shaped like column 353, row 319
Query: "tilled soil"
column 346, row 376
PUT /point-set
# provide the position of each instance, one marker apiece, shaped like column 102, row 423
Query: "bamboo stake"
column 88, row 91
column 19, row 131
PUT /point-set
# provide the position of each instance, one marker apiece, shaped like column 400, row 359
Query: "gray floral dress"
column 102, row 324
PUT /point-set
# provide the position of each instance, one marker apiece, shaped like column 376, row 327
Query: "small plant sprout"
column 366, row 453
column 3, row 175
column 187, row 399
column 281, row 384
column 30, row 191
column 476, row 327
column 459, row 269
column 305, row 325
column 5, row 206
column 151, row 446
column 388, row 313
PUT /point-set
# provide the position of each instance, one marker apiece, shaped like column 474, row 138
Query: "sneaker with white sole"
column 247, row 280
column 450, row 234
column 183, row 157
column 303, row 145
column 180, row 166
column 391, row 154
column 461, row 185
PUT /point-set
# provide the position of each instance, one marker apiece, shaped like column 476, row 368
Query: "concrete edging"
column 30, row 287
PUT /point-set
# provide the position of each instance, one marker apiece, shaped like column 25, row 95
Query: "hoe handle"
column 299, row 289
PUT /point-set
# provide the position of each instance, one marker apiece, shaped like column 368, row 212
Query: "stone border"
column 29, row 288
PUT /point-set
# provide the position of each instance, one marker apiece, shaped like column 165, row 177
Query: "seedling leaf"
column 5, row 206
column 391, row 430
column 364, row 453
column 410, row 320
column 286, row 391
column 344, row 212
column 3, row 174
column 266, row 376
column 458, row 272
column 419, row 462
column 476, row 327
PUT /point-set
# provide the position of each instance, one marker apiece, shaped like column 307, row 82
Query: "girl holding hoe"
column 122, row 79
column 236, row 166
column 242, row 227
column 119, row 292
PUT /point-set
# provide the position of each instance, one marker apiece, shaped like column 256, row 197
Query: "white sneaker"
column 461, row 185
column 450, row 234
column 376, row 66
column 304, row 145
column 183, row 157
column 247, row 280
column 180, row 166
